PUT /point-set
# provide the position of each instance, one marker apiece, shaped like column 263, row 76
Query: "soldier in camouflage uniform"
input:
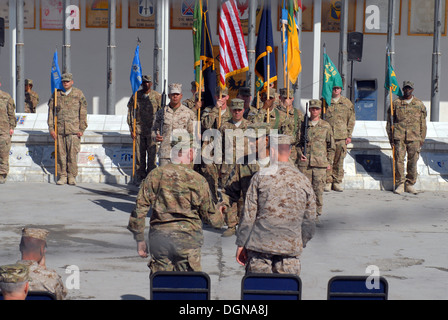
column 249, row 111
column 33, row 248
column 341, row 116
column 148, row 103
column 14, row 281
column 8, row 122
column 276, row 225
column 190, row 102
column 408, row 136
column 31, row 97
column 174, row 116
column 320, row 150
column 180, row 200
column 237, row 184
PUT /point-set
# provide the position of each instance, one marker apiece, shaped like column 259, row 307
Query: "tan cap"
column 28, row 82
column 271, row 93
column 146, row 78
column 67, row 77
column 315, row 103
column 284, row 93
column 223, row 91
column 408, row 84
column 175, row 88
column 282, row 139
column 40, row 234
column 14, row 273
column 237, row 104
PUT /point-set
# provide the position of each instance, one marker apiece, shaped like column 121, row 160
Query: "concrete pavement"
column 405, row 236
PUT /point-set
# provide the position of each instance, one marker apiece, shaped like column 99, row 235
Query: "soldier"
column 148, row 102
column 341, row 116
column 190, row 102
column 276, row 225
column 14, row 281
column 408, row 136
column 174, row 116
column 241, row 173
column 31, row 97
column 72, row 122
column 8, row 122
column 180, row 200
column 33, row 248
column 249, row 111
column 320, row 150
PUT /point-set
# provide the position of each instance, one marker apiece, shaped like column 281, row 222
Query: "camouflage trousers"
column 210, row 173
column 336, row 174
column 412, row 150
column 5, row 148
column 167, row 255
column 317, row 177
column 267, row 263
column 145, row 156
column 68, row 149
column 233, row 214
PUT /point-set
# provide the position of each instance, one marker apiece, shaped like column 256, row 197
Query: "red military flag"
column 232, row 47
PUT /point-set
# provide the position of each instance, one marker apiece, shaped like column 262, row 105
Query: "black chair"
column 37, row 295
column 273, row 286
column 166, row 285
column 357, row 288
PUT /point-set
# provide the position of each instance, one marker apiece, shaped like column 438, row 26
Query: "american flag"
column 232, row 48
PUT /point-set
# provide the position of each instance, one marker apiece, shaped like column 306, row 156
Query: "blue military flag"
column 136, row 72
column 56, row 81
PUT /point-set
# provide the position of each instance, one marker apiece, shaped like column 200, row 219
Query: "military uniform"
column 16, row 275
column 408, row 136
column 180, row 118
column 180, row 200
column 8, row 122
column 341, row 116
column 250, row 112
column 31, row 98
column 146, row 108
column 72, row 118
column 320, row 149
column 276, row 225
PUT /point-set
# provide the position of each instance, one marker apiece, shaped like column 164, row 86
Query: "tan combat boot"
column 399, row 189
column 71, row 181
column 411, row 189
column 337, row 187
column 2, row 178
column 327, row 187
column 229, row 232
column 62, row 180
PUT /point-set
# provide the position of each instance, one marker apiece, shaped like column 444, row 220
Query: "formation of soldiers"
column 268, row 190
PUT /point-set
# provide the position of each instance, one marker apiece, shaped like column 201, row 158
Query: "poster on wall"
column 29, row 13
column 181, row 16
column 52, row 15
column 421, row 17
column 371, row 27
column 141, row 14
column 331, row 15
column 97, row 14
column 307, row 16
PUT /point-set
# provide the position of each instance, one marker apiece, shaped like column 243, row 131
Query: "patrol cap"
column 14, row 273
column 271, row 93
column 66, row 77
column 237, row 104
column 281, row 139
column 175, row 88
column 408, row 84
column 315, row 103
column 146, row 78
column 28, row 82
column 40, row 234
column 257, row 130
column 223, row 91
column 244, row 92
column 284, row 93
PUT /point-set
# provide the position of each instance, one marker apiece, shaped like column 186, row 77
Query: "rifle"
column 163, row 103
column 305, row 131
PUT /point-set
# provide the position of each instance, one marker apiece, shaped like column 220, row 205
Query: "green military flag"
column 197, row 38
column 391, row 82
column 332, row 78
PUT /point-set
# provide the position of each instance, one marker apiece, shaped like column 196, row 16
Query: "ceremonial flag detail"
column 332, row 78
column 56, row 81
column 136, row 71
column 391, row 82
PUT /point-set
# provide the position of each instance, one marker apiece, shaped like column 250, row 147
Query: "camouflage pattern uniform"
column 341, row 116
column 180, row 200
column 276, row 225
column 320, row 148
column 13, row 279
column 249, row 111
column 8, row 121
column 408, row 137
column 147, row 106
column 31, row 98
column 180, row 118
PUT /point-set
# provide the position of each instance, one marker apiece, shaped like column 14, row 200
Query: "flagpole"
column 135, row 136
column 324, row 103
column 56, row 132
column 199, row 91
column 268, row 84
column 392, row 130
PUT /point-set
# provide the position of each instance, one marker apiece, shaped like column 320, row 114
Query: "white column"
column 317, row 46
column 12, row 48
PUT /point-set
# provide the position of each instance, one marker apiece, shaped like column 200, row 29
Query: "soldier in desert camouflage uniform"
column 33, row 247
column 72, row 122
column 341, row 116
column 276, row 225
column 174, row 116
column 148, row 102
column 31, row 97
column 320, row 149
column 180, row 200
column 14, row 281
column 8, row 122
column 408, row 136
